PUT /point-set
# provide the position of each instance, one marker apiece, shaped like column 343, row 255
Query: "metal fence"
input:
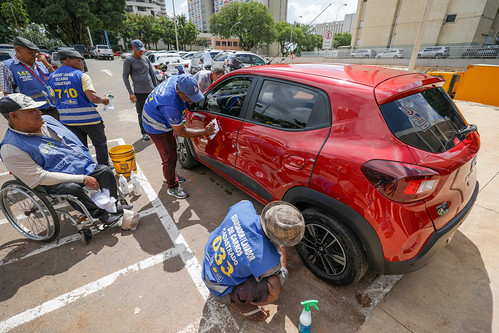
column 451, row 52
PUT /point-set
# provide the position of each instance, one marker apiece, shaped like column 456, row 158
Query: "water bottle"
column 110, row 106
column 137, row 190
column 123, row 184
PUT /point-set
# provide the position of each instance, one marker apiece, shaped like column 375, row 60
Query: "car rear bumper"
column 435, row 243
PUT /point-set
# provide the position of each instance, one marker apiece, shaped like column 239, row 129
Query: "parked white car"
column 434, row 52
column 363, row 53
column 391, row 53
column 195, row 66
column 102, row 52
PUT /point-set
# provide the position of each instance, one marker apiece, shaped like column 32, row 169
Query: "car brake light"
column 156, row 66
column 186, row 66
column 401, row 182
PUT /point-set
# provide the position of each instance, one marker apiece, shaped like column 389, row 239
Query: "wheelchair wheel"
column 29, row 212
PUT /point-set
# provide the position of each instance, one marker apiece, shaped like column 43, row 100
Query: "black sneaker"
column 177, row 192
column 109, row 219
column 146, row 137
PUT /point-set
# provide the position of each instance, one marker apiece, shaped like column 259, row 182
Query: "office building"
column 146, row 7
column 200, row 11
column 450, row 22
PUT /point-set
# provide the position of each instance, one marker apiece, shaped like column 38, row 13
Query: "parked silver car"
column 434, row 52
column 242, row 59
column 391, row 53
column 363, row 53
column 195, row 66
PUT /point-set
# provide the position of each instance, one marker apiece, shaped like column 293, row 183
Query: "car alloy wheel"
column 185, row 157
column 330, row 250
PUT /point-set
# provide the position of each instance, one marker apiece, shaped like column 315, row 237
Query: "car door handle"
column 294, row 161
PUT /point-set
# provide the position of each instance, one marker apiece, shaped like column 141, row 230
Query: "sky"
column 297, row 10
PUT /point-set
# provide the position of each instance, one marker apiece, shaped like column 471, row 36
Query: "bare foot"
column 250, row 311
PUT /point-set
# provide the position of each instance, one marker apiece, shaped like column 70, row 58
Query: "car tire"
column 185, row 156
column 395, row 57
column 330, row 250
column 419, row 56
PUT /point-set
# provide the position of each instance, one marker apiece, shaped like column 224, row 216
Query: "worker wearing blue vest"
column 245, row 257
column 39, row 150
column 75, row 98
column 27, row 73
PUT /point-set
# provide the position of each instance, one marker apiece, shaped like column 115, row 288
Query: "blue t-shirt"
column 163, row 108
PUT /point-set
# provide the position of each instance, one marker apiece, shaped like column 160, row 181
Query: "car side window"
column 288, row 106
column 245, row 58
column 228, row 98
column 257, row 60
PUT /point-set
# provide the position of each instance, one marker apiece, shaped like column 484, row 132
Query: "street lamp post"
column 336, row 20
column 175, row 24
column 230, row 31
column 291, row 35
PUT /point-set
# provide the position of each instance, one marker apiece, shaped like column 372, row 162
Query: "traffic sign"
column 327, row 41
column 292, row 56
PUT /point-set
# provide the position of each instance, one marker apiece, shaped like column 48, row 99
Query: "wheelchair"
column 35, row 212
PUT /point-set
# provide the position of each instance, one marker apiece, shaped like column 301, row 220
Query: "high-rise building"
column 450, row 22
column 200, row 11
column 146, row 7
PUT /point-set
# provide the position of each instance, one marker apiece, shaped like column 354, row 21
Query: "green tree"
column 342, row 39
column 13, row 18
column 187, row 32
column 250, row 22
column 283, row 32
column 68, row 19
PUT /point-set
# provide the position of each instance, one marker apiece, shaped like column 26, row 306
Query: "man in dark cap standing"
column 144, row 80
column 27, row 72
column 76, row 101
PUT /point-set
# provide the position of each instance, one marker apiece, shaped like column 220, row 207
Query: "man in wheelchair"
column 39, row 150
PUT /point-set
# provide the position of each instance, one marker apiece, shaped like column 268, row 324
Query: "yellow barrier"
column 479, row 84
column 452, row 80
column 123, row 158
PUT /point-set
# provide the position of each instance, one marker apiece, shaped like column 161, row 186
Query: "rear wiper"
column 465, row 131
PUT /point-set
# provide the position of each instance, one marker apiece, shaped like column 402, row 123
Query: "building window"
column 217, row 43
column 234, row 43
column 224, row 43
column 229, row 43
column 451, row 18
column 129, row 9
column 141, row 9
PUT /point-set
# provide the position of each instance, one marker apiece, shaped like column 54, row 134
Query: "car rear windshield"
column 102, row 46
column 427, row 120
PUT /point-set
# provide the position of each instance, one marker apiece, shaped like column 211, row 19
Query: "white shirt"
column 21, row 164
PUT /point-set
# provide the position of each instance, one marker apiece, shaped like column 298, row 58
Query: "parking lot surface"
column 149, row 279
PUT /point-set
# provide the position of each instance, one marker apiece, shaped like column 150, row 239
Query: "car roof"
column 361, row 74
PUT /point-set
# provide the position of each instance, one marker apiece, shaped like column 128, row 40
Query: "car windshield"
column 427, row 120
column 221, row 56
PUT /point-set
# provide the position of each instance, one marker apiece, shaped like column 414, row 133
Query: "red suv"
column 381, row 162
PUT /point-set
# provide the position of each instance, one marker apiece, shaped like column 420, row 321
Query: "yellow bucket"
column 123, row 158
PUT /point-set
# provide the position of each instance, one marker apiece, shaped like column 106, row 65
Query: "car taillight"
column 186, row 66
column 401, row 182
column 156, row 66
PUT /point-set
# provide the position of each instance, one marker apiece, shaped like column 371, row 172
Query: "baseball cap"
column 283, row 223
column 188, row 85
column 15, row 102
column 20, row 41
column 68, row 53
column 138, row 45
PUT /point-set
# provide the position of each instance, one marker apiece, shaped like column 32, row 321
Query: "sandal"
column 250, row 314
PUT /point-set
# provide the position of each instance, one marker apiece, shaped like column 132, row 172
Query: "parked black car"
column 82, row 49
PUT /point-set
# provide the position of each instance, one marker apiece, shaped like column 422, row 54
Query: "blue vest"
column 74, row 106
column 237, row 249
column 35, row 86
column 69, row 156
column 154, row 120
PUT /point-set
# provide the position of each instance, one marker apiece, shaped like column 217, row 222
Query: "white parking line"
column 220, row 316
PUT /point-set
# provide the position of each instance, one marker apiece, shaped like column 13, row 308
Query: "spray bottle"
column 123, row 184
column 137, row 190
column 306, row 316
column 110, row 106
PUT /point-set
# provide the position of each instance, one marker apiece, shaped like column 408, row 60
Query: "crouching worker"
column 245, row 258
column 39, row 150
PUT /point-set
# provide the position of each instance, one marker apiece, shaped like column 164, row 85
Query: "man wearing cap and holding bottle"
column 75, row 97
column 162, row 118
column 27, row 72
column 244, row 263
column 144, row 80
column 39, row 150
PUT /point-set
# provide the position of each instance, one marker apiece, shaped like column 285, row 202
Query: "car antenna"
column 304, row 28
